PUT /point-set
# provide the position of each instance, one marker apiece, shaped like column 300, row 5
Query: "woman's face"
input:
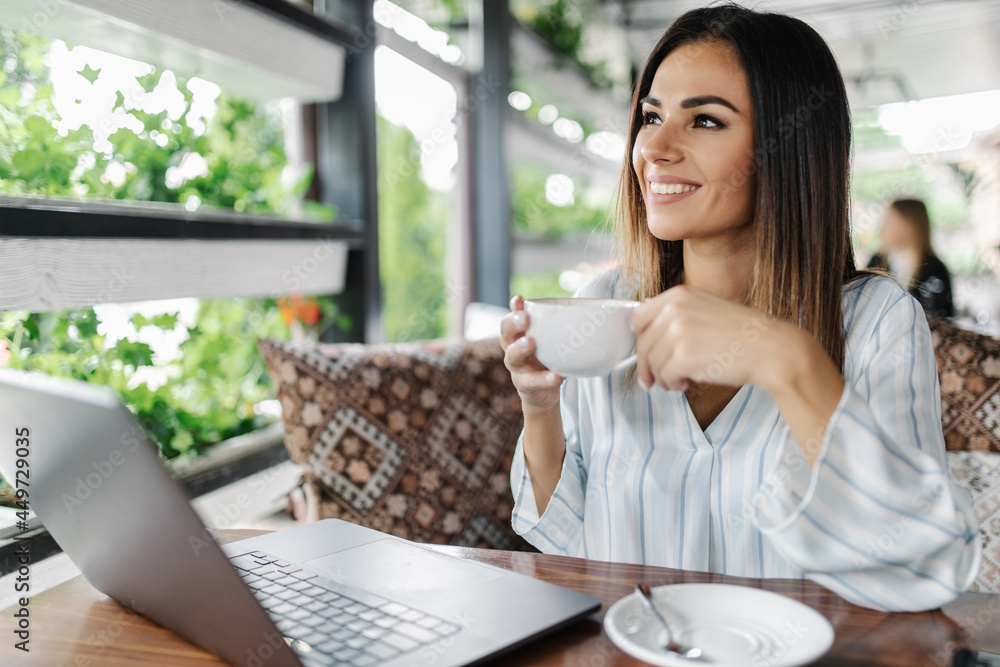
column 896, row 232
column 693, row 155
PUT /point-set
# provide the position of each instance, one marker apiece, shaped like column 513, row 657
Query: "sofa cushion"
column 969, row 371
column 979, row 474
column 415, row 439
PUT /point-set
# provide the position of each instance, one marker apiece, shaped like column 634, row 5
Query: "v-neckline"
column 704, row 434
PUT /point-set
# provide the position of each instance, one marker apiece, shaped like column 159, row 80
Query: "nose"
column 662, row 145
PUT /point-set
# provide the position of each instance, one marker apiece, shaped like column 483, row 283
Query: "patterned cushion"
column 979, row 474
column 414, row 440
column 969, row 370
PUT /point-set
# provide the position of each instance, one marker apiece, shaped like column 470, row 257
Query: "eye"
column 707, row 122
column 650, row 118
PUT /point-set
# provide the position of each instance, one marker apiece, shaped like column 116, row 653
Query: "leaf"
column 9, row 96
column 28, row 162
column 119, row 100
column 90, row 74
column 165, row 321
column 133, row 353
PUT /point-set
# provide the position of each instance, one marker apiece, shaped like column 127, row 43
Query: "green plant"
column 533, row 213
column 412, row 226
column 207, row 394
column 242, row 144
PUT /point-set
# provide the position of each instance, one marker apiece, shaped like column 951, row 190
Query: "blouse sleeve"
column 878, row 518
column 560, row 528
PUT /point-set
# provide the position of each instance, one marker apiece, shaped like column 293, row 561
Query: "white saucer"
column 734, row 626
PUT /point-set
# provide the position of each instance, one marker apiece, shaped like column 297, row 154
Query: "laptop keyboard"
column 337, row 623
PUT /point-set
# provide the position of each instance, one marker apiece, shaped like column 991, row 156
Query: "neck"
column 722, row 266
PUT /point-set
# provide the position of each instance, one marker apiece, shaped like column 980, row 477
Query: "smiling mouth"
column 671, row 188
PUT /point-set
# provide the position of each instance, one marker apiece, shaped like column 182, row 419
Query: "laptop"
column 326, row 593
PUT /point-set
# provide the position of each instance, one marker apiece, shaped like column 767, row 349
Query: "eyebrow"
column 693, row 102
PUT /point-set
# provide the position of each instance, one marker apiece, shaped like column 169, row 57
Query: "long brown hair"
column 915, row 213
column 802, row 136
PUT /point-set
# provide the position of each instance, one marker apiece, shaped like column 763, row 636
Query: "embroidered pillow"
column 979, row 474
column 415, row 439
column 969, row 371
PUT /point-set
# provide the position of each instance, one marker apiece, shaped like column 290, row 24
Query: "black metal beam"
column 80, row 220
column 348, row 177
column 488, row 96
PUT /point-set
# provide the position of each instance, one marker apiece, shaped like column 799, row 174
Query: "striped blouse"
column 877, row 519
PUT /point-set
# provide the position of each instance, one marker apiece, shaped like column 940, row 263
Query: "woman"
column 906, row 252
column 791, row 425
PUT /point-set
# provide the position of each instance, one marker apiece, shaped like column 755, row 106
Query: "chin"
column 668, row 230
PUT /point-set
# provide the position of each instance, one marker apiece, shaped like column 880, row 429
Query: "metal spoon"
column 646, row 596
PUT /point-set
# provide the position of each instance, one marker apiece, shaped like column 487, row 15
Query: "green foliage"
column 412, row 225
column 211, row 389
column 561, row 23
column 243, row 144
column 533, row 214
column 208, row 393
column 538, row 285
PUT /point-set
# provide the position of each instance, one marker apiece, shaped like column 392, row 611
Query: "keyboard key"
column 447, row 628
column 411, row 615
column 244, row 563
column 300, row 600
column 297, row 614
column 355, row 608
column 286, row 594
column 339, row 602
column 303, row 575
column 342, row 635
column 393, row 608
column 387, row 622
column 282, row 608
column 330, row 646
column 281, row 563
column 370, row 614
column 415, row 632
column 358, row 625
column 298, row 585
column 399, row 642
column 358, row 642
column 373, row 633
column 363, row 660
column 326, row 627
column 258, row 554
column 345, row 654
column 381, row 651
column 314, row 605
column 312, row 637
column 314, row 622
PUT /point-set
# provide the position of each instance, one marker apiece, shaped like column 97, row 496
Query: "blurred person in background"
column 907, row 254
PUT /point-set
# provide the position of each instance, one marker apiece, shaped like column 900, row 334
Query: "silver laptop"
column 327, row 593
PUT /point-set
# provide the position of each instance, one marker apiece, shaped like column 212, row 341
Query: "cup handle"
column 625, row 363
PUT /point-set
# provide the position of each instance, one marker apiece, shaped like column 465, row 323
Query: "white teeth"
column 671, row 188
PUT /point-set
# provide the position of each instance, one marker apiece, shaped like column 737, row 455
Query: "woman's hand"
column 537, row 385
column 685, row 335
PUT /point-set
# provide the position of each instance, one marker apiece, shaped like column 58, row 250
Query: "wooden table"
column 74, row 624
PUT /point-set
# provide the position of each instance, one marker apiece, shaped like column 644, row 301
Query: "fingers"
column 513, row 326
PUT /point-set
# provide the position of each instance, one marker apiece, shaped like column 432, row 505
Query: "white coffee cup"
column 582, row 337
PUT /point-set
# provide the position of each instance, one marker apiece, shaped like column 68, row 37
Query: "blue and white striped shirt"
column 877, row 519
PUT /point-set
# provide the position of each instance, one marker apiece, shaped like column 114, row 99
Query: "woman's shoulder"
column 870, row 298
